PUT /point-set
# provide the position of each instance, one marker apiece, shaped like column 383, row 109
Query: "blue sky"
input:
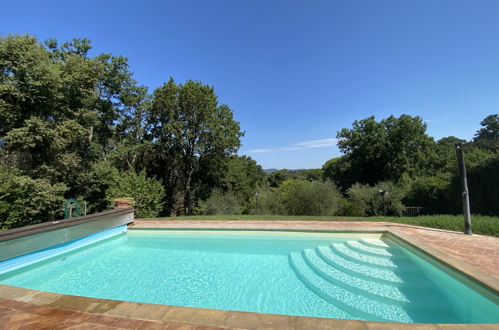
column 296, row 72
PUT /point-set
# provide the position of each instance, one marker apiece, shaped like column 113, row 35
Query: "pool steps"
column 376, row 290
column 366, row 283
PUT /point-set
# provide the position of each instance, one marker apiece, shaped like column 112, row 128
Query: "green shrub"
column 25, row 201
column 301, row 197
column 367, row 201
column 268, row 202
column 483, row 182
column 221, row 203
column 147, row 193
column 432, row 192
column 95, row 183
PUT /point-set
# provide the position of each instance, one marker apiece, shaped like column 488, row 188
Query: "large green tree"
column 488, row 136
column 242, row 177
column 386, row 150
column 62, row 110
column 193, row 136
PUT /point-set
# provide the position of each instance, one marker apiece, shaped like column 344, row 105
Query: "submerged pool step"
column 390, row 294
column 393, row 263
column 358, row 257
column 369, row 250
column 360, row 270
column 353, row 303
column 374, row 242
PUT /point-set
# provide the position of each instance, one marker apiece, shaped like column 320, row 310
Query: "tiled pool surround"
column 482, row 251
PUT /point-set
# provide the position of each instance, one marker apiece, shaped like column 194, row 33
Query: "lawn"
column 483, row 225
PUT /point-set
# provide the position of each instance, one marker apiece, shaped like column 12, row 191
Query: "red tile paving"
column 16, row 315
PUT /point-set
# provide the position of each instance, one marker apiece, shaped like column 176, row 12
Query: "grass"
column 483, row 225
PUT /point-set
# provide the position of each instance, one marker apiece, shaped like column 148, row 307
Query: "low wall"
column 19, row 241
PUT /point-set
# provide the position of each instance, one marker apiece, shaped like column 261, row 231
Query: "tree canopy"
column 385, row 150
column 71, row 121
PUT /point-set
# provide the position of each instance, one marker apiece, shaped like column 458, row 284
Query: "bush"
column 483, row 182
column 366, row 200
column 301, row 197
column 431, row 192
column 25, row 201
column 147, row 193
column 95, row 183
column 268, row 202
column 221, row 203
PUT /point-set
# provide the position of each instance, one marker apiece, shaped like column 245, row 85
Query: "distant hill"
column 272, row 170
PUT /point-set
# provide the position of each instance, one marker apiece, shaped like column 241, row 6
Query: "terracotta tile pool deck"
column 476, row 256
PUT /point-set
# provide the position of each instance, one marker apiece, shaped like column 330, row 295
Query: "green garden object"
column 67, row 206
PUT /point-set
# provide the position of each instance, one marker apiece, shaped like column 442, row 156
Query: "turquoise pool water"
column 321, row 275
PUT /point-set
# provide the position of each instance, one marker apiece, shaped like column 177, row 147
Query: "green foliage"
column 95, row 183
column 26, row 201
column 385, row 150
column 221, row 202
column 432, row 192
column 268, row 201
column 76, row 126
column 276, row 178
column 367, row 200
column 445, row 159
column 299, row 197
column 242, row 177
column 59, row 108
column 488, row 136
column 147, row 193
column 74, row 119
column 483, row 183
column 340, row 171
column 193, row 135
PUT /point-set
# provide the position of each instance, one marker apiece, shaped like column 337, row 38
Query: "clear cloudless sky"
column 296, row 72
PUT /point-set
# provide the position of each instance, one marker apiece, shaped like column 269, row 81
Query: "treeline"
column 394, row 155
column 80, row 127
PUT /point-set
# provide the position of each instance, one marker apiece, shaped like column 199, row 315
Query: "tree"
column 488, row 136
column 147, row 193
column 242, row 177
column 193, row 136
column 339, row 170
column 483, row 180
column 432, row 192
column 220, row 203
column 385, row 150
column 276, row 178
column 26, row 201
column 60, row 108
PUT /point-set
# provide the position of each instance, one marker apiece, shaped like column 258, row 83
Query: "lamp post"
column 464, row 186
column 383, row 193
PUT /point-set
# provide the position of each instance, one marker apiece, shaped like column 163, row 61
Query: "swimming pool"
column 349, row 276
